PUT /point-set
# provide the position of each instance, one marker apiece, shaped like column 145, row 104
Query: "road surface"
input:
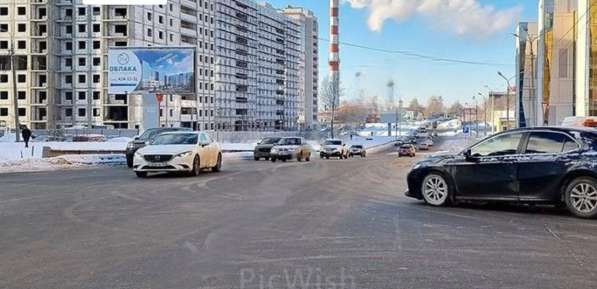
column 323, row 224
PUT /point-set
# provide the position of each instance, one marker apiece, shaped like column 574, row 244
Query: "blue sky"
column 416, row 78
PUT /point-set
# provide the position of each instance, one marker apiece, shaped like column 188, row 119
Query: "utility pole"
column 15, row 100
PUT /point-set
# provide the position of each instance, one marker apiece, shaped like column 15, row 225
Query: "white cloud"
column 463, row 17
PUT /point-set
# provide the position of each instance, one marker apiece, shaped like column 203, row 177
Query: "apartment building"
column 526, row 78
column 61, row 52
column 309, row 102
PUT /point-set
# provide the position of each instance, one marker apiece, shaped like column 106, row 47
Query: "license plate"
column 157, row 165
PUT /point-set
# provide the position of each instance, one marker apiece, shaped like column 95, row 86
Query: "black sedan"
column 538, row 165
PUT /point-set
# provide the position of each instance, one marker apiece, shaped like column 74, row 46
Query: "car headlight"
column 138, row 154
column 183, row 155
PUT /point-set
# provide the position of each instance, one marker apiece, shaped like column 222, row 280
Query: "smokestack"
column 335, row 43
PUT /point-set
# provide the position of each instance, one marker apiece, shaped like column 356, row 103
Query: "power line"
column 419, row 55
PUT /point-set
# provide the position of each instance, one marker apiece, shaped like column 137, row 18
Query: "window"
column 68, row 112
column 3, row 27
column 3, row 44
column 22, row 78
column 504, row 144
column 96, row 95
column 22, row 111
column 82, row 11
column 120, row 12
column 3, row 11
column 149, row 32
column 82, row 78
column 96, row 28
column 22, row 44
column 68, row 13
column 68, row 45
column 82, row 95
column 68, row 62
column 21, row 10
column 21, row 27
column 82, row 28
column 149, row 16
column 549, row 143
column 3, row 95
column 96, row 11
column 82, row 112
column 3, row 78
column 3, row 111
column 69, row 29
column 96, row 44
column 82, row 61
column 68, row 79
column 563, row 63
column 160, row 35
column 96, row 78
column 68, row 95
column 96, row 61
column 121, row 29
column 96, row 112
column 82, row 44
column 161, row 19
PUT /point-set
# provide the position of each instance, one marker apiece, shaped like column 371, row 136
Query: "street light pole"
column 484, row 113
column 15, row 99
column 507, row 99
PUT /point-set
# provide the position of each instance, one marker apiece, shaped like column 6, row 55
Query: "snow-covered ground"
column 14, row 157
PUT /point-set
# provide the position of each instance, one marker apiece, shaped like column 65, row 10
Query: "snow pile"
column 60, row 163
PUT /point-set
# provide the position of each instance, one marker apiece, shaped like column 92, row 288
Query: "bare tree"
column 435, row 106
column 330, row 94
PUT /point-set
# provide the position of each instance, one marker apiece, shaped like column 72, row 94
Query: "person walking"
column 26, row 134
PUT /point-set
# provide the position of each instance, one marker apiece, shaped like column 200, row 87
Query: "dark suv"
column 144, row 139
column 552, row 165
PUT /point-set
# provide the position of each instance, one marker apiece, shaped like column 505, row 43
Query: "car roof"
column 556, row 128
column 182, row 132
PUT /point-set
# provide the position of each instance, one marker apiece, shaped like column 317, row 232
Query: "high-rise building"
column 555, row 62
column 586, row 65
column 526, row 81
column 309, row 101
column 61, row 52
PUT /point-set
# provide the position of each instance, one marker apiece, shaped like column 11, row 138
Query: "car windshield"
column 289, row 141
column 332, row 143
column 357, row 147
column 269, row 141
column 405, row 147
column 176, row 139
column 149, row 134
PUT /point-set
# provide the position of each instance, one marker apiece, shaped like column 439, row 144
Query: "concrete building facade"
column 309, row 110
column 61, row 52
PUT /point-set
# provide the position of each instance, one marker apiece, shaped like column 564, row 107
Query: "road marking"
column 191, row 247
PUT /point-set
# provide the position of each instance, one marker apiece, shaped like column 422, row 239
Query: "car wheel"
column 581, row 197
column 256, row 158
column 308, row 158
column 435, row 190
column 267, row 159
column 129, row 162
column 321, row 156
column 218, row 166
column 273, row 160
column 284, row 160
column 299, row 158
column 327, row 157
column 196, row 166
column 141, row 174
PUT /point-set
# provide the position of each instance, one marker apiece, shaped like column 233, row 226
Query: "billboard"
column 151, row 70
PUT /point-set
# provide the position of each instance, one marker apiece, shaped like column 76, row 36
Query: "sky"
column 470, row 30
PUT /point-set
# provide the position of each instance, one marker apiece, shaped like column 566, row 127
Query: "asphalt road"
column 323, row 224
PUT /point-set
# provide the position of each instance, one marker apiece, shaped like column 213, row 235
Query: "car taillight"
column 589, row 122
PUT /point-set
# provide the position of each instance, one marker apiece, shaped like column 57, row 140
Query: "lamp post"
column 507, row 98
column 484, row 113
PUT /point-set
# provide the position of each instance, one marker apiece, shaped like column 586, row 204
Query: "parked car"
column 428, row 142
column 407, row 150
column 144, row 139
column 178, row 152
column 263, row 148
column 538, row 165
column 290, row 148
column 333, row 148
column 357, row 150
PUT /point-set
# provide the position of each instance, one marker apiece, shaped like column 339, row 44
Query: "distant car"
column 178, row 152
column 289, row 148
column 147, row 137
column 423, row 146
column 428, row 142
column 407, row 150
column 357, row 150
column 552, row 165
column 333, row 148
column 263, row 148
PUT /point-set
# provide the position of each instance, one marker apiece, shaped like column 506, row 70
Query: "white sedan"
column 178, row 152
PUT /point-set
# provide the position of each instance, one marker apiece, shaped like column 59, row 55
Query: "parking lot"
column 344, row 223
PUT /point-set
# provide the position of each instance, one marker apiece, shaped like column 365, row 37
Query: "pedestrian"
column 26, row 133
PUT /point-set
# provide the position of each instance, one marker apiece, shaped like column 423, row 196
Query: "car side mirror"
column 468, row 155
column 136, row 138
